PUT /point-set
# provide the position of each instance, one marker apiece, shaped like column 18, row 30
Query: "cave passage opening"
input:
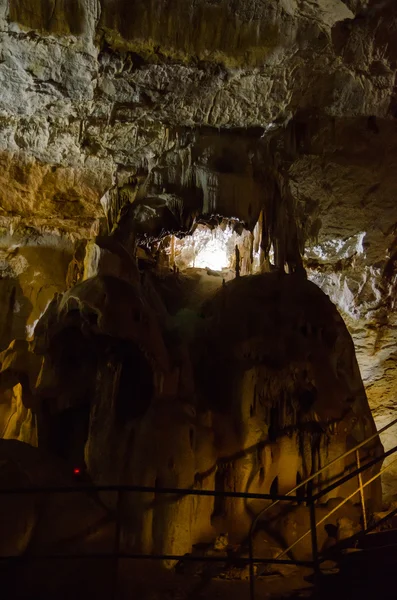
column 216, row 244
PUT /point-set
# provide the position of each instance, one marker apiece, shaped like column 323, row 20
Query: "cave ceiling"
column 188, row 108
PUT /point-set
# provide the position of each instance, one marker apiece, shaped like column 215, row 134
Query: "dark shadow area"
column 16, row 309
column 136, row 386
column 68, row 432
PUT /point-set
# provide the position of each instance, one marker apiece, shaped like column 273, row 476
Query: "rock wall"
column 125, row 387
column 94, row 91
column 33, row 269
column 126, row 125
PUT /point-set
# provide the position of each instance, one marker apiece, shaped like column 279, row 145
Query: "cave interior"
column 198, row 270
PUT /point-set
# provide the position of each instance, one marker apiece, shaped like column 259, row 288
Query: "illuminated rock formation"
column 282, row 371
column 150, row 151
column 129, row 388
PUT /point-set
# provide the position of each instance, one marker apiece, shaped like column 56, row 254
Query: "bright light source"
column 213, row 256
column 211, row 249
column 214, row 248
column 76, row 471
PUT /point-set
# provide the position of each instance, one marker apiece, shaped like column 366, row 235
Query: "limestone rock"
column 22, row 466
column 279, row 395
column 131, row 133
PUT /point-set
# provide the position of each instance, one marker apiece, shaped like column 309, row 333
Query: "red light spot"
column 76, row 471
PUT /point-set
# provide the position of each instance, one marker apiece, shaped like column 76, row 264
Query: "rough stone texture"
column 345, row 174
column 31, row 273
column 141, row 119
column 118, row 376
column 93, row 91
column 105, row 91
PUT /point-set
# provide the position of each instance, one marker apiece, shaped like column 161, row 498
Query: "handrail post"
column 360, row 485
column 116, row 550
column 251, row 567
column 313, row 528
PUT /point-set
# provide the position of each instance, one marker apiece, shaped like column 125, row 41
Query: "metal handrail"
column 86, row 488
column 327, row 466
column 331, row 512
column 344, row 478
column 369, row 529
column 116, row 554
column 300, row 485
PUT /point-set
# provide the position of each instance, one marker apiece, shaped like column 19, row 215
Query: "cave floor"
column 361, row 576
column 90, row 579
column 101, row 578
column 288, row 583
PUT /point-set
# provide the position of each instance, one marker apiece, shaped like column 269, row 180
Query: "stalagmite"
column 237, row 252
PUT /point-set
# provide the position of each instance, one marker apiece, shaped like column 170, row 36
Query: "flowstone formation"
column 249, row 388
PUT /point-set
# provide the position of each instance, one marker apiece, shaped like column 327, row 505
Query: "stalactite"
column 112, row 204
column 280, row 223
